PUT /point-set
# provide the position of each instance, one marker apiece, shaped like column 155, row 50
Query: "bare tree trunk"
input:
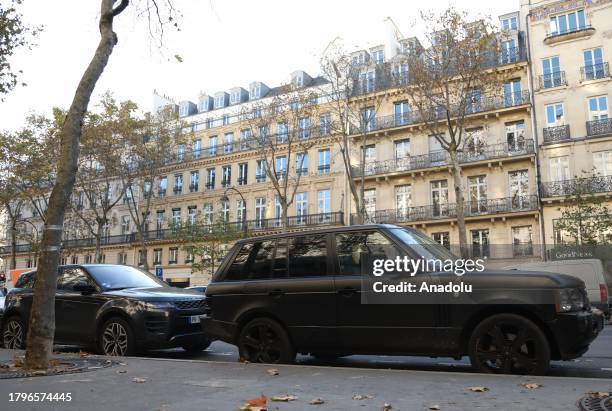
column 42, row 315
column 285, row 217
column 143, row 248
column 13, row 244
column 459, row 200
column 98, row 256
column 361, row 212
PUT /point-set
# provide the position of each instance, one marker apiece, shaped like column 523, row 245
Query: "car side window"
column 252, row 262
column 26, row 280
column 356, row 251
column 279, row 265
column 71, row 277
column 308, row 256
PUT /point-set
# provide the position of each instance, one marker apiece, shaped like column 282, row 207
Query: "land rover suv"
column 305, row 292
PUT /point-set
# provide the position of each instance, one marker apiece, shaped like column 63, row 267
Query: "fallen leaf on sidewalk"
column 478, row 389
column 598, row 394
column 121, row 371
column 316, row 401
column 531, row 385
column 284, row 398
column 360, row 397
column 256, row 404
column 139, row 380
column 387, row 407
column 434, row 407
column 273, row 371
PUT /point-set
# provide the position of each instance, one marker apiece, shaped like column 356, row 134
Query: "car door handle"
column 347, row 291
column 276, row 293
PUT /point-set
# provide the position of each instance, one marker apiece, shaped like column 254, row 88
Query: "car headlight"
column 571, row 299
column 157, row 305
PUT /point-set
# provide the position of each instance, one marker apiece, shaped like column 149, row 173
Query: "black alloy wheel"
column 509, row 344
column 264, row 340
column 116, row 338
column 14, row 334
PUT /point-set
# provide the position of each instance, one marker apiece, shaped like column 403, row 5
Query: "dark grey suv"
column 304, row 292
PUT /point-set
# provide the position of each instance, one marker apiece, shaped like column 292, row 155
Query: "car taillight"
column 603, row 292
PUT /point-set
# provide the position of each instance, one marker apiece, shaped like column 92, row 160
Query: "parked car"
column 114, row 309
column 275, row 296
column 590, row 270
column 198, row 288
column 3, row 292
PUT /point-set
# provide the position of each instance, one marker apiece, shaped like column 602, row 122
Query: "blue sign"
column 159, row 271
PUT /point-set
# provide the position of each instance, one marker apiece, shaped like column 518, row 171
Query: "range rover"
column 307, row 292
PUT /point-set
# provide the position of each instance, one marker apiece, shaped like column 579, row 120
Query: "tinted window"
column 308, row 256
column 356, row 251
column 279, row 265
column 120, row 276
column 253, row 261
column 71, row 277
column 26, row 280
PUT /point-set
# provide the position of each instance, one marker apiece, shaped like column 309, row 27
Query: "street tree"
column 353, row 113
column 42, row 315
column 283, row 154
column 454, row 76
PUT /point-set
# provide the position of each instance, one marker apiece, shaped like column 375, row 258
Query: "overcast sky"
column 223, row 43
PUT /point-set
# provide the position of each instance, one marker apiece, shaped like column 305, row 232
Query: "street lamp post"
column 225, row 198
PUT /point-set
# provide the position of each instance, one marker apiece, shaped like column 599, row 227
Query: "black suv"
column 304, row 292
column 114, row 309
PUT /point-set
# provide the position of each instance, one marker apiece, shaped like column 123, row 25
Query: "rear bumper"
column 575, row 331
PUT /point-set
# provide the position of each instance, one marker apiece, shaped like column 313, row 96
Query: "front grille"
column 194, row 304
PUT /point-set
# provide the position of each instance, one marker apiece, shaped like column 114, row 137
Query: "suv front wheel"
column 14, row 333
column 116, row 338
column 509, row 344
column 264, row 340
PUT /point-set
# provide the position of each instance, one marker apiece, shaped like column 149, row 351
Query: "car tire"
column 509, row 344
column 14, row 333
column 116, row 338
column 266, row 341
column 196, row 346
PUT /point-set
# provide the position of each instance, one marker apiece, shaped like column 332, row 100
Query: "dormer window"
column 378, row 56
column 298, row 80
column 255, row 92
column 509, row 23
column 235, row 97
column 219, row 101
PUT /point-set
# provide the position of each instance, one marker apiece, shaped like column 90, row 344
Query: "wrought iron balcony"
column 568, row 33
column 324, row 169
column 441, row 158
column 583, row 186
column 449, row 210
column 556, row 134
column 246, row 227
column 480, row 104
column 177, row 189
column 595, row 71
column 161, row 193
column 599, row 127
column 210, row 185
column 550, row 80
column 242, row 181
column 193, row 188
column 260, row 178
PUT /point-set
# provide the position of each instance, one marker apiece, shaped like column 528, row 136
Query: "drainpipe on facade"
column 535, row 134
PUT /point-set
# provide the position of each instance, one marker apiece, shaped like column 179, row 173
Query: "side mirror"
column 84, row 289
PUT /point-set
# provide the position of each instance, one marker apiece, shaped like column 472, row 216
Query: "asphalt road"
column 596, row 363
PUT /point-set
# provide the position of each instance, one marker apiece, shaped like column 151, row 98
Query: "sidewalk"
column 201, row 385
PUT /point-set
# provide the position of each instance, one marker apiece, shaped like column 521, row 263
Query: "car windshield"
column 120, row 277
column 423, row 245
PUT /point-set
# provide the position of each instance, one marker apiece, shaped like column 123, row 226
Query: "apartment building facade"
column 542, row 132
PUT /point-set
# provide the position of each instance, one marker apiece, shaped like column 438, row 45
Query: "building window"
column 555, row 115
column 402, row 112
column 301, row 164
column 515, row 137
column 173, row 258
column 519, row 189
column 324, row 205
column 559, row 168
column 278, row 212
column 403, row 200
column 368, row 81
column 194, row 181
column 245, row 137
column 325, row 125
column 255, row 92
column 301, row 207
column 282, row 133
column 176, row 217
column 304, row 127
column 212, row 146
column 243, row 169
column 142, row 257
column 594, row 67
column 260, row 171
column 159, row 221
column 324, row 166
column 522, row 243
column 226, row 119
column 509, row 23
column 512, row 93
column 260, row 212
column 442, row 238
column 551, row 73
column 125, row 225
column 400, row 71
column 240, row 212
column 208, row 214
column 180, row 153
column 598, row 108
column 162, row 187
column 196, row 149
column 75, row 259
column 281, row 167
column 210, row 179
column 178, row 183
column 567, row 23
column 480, row 243
column 369, row 199
column 192, row 215
column 225, row 211
column 378, row 56
column 477, row 186
column 157, row 256
column 402, row 150
column 62, row 261
column 228, row 142
column 226, row 176
column 602, row 161
column 368, row 119
column 439, row 198
column 122, row 258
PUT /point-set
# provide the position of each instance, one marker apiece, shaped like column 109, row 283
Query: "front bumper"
column 574, row 332
column 169, row 328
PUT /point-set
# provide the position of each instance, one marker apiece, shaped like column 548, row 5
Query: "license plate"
column 194, row 319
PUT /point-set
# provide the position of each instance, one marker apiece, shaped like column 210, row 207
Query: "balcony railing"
column 441, row 158
column 599, row 127
column 449, row 210
column 550, row 80
column 247, row 227
column 595, row 184
column 595, row 71
column 480, row 104
column 556, row 134
column 552, row 35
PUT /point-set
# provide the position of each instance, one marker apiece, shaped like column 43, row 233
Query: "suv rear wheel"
column 509, row 344
column 14, row 333
column 264, row 340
